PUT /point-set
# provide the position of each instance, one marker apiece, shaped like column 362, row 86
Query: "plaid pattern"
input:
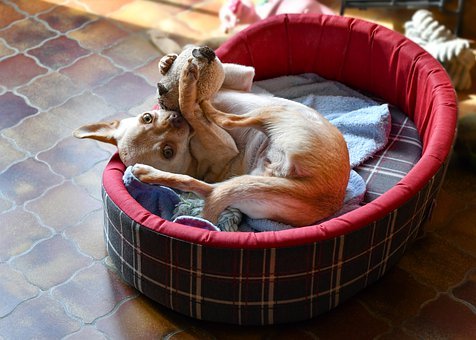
column 261, row 286
column 273, row 285
column 286, row 284
column 390, row 165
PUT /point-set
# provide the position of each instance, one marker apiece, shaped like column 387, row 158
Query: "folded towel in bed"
column 364, row 123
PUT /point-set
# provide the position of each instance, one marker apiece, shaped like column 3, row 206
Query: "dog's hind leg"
column 259, row 118
column 280, row 199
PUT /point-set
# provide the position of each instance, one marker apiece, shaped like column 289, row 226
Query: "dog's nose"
column 176, row 119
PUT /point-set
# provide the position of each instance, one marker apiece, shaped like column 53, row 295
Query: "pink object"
column 239, row 12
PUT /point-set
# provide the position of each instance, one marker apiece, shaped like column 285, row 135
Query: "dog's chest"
column 252, row 145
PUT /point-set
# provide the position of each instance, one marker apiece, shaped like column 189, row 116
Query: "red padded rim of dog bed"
column 360, row 54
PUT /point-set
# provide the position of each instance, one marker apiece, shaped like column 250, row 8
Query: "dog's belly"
column 252, row 146
column 300, row 143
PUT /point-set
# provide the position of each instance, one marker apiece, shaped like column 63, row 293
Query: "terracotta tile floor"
column 65, row 63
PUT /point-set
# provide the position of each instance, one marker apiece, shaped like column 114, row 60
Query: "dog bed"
column 292, row 275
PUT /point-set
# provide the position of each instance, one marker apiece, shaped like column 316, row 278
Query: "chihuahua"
column 266, row 156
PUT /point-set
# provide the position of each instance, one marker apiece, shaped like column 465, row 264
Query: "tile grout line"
column 13, row 143
column 66, row 308
column 32, row 18
column 13, row 204
column 455, row 245
column 117, row 306
column 420, row 308
column 51, row 71
column 39, row 294
column 34, row 115
column 21, row 11
column 451, row 289
column 52, row 230
column 375, row 314
column 430, row 285
column 15, row 50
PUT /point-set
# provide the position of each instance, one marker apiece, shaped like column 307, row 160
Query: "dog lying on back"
column 268, row 157
column 166, row 139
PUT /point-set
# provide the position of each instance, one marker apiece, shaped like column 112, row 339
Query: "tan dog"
column 165, row 139
column 292, row 165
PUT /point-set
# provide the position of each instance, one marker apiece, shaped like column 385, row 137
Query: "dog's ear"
column 103, row 132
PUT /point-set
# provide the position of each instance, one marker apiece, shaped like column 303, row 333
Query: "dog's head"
column 158, row 138
column 210, row 79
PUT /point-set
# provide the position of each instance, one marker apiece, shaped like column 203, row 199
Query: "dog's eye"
column 147, row 118
column 168, row 152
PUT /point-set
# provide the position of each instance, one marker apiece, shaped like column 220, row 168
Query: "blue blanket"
column 364, row 123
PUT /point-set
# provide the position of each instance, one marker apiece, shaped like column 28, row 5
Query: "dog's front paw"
column 166, row 62
column 144, row 173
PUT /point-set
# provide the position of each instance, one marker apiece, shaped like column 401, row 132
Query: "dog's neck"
column 192, row 167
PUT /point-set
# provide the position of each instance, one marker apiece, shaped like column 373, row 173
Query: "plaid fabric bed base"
column 274, row 285
column 388, row 166
column 261, row 286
